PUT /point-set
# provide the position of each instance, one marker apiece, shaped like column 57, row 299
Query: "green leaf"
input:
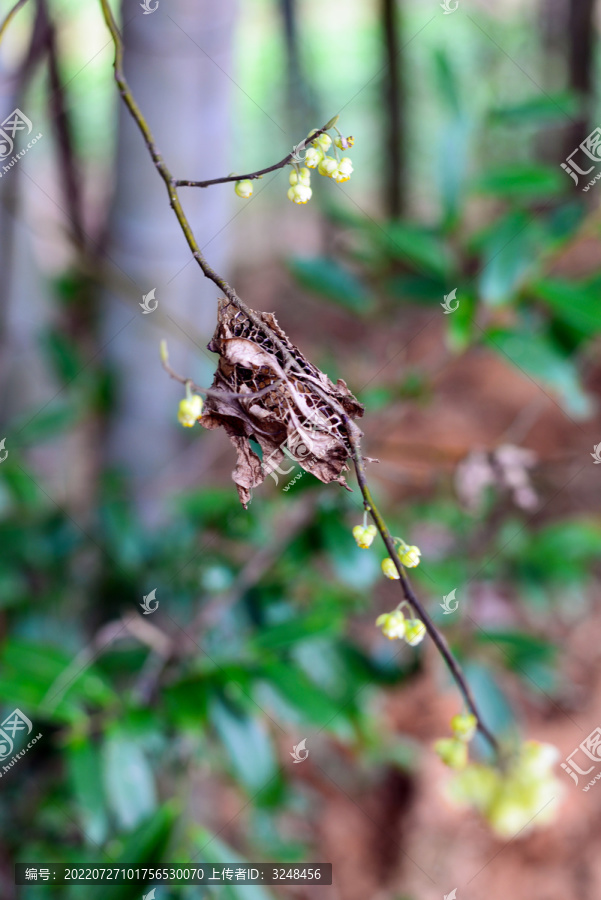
column 128, row 780
column 490, row 698
column 419, row 248
column 329, row 279
column 540, row 359
column 316, row 707
column 63, row 355
column 145, row 847
column 285, row 634
column 211, row 850
column 524, row 181
column 187, row 702
column 509, row 251
column 84, row 767
column 536, row 111
column 446, row 81
column 52, row 421
column 247, row 743
column 415, row 288
column 45, row 678
column 530, row 657
column 461, row 324
column 574, row 303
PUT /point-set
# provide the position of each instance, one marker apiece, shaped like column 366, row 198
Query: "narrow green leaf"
column 128, row 780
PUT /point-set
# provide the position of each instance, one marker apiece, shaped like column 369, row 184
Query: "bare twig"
column 9, row 16
column 171, row 185
column 409, row 593
column 290, row 363
column 212, row 392
column 260, row 172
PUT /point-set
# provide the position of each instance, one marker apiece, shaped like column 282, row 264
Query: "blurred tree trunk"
column 393, row 104
column 568, row 41
column 300, row 100
column 178, row 61
column 581, row 37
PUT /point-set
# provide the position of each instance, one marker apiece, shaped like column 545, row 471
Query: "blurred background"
column 168, row 737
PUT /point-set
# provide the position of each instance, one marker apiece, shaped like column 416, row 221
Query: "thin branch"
column 409, row 593
column 214, row 392
column 260, row 172
column 174, row 201
column 352, row 430
column 10, row 15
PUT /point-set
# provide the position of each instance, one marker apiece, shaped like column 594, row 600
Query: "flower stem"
column 435, row 634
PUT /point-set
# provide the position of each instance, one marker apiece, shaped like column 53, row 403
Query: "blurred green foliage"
column 127, row 734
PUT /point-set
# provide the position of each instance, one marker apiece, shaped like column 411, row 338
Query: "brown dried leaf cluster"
column 293, row 415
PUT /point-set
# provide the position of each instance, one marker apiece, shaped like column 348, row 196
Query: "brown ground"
column 389, row 835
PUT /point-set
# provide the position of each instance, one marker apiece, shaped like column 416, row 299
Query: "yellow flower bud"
column 452, row 752
column 324, row 141
column 464, row 727
column 190, row 409
column 392, row 624
column 244, row 188
column 299, row 193
column 327, row 166
column 389, row 569
column 409, row 556
column 344, row 169
column 364, row 536
column 344, row 143
column 415, row 631
column 313, row 157
column 293, row 177
column 304, row 176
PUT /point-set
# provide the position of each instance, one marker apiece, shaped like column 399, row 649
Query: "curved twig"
column 435, row 634
column 290, row 363
column 260, row 172
column 215, row 392
column 9, row 16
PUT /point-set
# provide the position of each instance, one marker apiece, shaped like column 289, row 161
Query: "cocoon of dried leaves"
column 300, row 414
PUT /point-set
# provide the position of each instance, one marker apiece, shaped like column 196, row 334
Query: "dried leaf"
column 293, row 416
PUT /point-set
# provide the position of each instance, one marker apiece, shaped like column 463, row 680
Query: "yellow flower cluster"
column 331, row 167
column 364, row 535
column 516, row 799
column 409, row 555
column 300, row 186
column 340, row 168
column 190, row 410
column 453, row 751
column 395, row 625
